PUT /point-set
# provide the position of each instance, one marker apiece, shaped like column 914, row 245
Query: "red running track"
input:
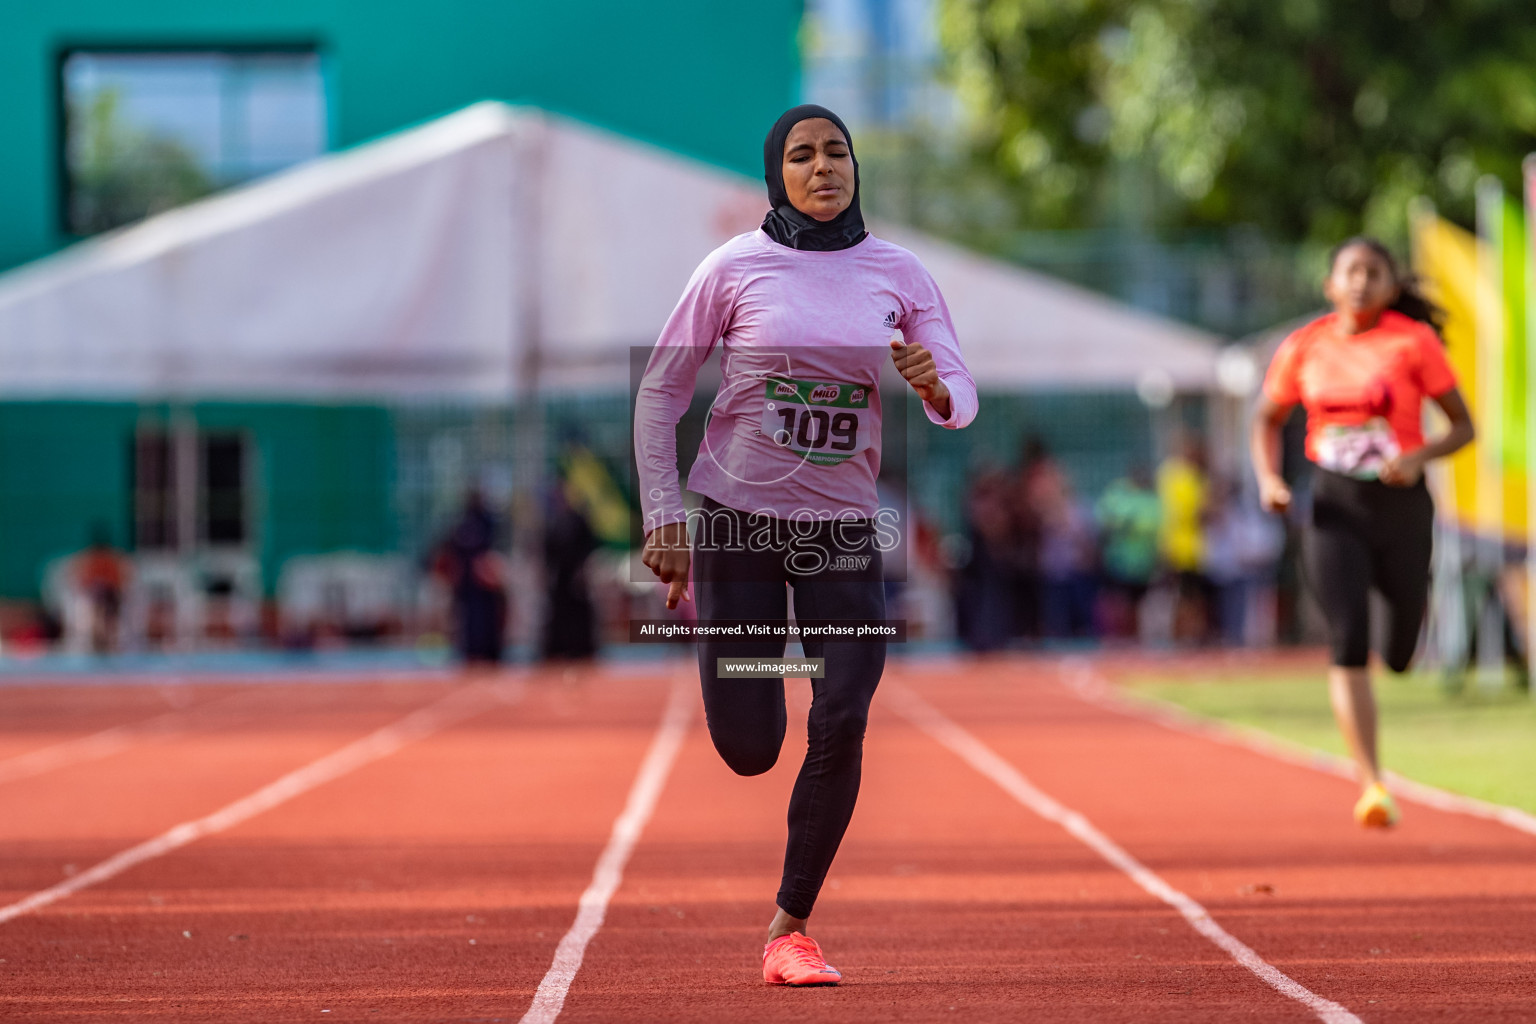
column 433, row 882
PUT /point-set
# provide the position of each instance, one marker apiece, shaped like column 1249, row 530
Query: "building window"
column 191, row 485
column 221, row 498
column 154, row 491
column 146, row 130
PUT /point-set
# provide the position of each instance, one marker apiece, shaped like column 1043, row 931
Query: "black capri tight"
column 1366, row 534
column 736, row 579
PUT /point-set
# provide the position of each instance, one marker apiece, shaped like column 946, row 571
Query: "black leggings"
column 746, row 716
column 1366, row 534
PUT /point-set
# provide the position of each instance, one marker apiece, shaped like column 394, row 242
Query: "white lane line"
column 84, row 748
column 593, row 907
column 104, row 743
column 456, row 706
column 1090, row 685
column 982, row 758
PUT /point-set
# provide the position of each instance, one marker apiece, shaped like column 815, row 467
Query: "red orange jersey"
column 1364, row 393
column 97, row 569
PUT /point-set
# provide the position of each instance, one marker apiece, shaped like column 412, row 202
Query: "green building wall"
column 356, row 477
column 322, row 479
column 697, row 76
column 64, row 467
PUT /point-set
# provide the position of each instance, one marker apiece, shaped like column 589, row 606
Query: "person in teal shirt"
column 1130, row 520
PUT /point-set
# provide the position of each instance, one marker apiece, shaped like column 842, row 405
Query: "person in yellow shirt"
column 1181, row 490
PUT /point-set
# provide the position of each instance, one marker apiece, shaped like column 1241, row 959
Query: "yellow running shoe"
column 1376, row 808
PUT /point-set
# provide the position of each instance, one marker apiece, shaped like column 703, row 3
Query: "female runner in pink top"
column 804, row 311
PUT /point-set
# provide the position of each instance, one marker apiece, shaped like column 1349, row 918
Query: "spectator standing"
column 1130, row 521
column 1068, row 561
column 570, row 626
column 477, row 580
column 1182, row 493
column 101, row 573
column 1242, row 545
column 986, row 585
column 1036, row 490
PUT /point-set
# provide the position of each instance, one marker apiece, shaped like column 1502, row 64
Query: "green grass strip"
column 1474, row 742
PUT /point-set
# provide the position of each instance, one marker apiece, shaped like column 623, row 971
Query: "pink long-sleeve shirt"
column 794, row 431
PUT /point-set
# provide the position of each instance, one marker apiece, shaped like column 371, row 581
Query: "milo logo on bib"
column 825, row 393
column 840, row 425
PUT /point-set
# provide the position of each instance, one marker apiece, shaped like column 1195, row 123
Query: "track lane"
column 640, row 804
column 965, row 745
column 49, row 727
column 945, row 894
column 56, row 824
column 1416, row 924
column 430, row 885
column 362, row 896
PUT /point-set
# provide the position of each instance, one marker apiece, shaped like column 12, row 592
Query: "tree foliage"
column 1308, row 118
column 120, row 173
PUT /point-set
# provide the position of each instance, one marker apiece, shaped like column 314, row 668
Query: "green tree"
column 119, row 173
column 1310, row 119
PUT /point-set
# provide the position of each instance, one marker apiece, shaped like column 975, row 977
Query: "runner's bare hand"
column 666, row 555
column 1402, row 470
column 915, row 364
column 1274, row 495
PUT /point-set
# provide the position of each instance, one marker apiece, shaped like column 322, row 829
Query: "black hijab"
column 784, row 223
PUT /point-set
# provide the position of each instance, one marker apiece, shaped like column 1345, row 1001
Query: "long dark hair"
column 1411, row 300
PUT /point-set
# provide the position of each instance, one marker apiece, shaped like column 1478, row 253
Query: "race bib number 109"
column 824, row 423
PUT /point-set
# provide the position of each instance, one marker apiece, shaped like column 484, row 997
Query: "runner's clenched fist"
column 916, row 364
column 666, row 554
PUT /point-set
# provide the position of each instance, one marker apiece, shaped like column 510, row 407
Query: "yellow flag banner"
column 1515, row 269
column 1454, row 266
column 591, row 489
column 1506, row 235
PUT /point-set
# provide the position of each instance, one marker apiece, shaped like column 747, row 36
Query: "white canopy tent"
column 488, row 252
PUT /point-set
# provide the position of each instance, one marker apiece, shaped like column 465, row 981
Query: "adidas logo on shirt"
column 891, row 320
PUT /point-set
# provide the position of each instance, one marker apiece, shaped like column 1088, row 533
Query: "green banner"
column 812, row 392
column 1513, row 285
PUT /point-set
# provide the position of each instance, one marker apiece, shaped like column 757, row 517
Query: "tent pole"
column 529, row 429
column 1528, row 191
column 1490, row 406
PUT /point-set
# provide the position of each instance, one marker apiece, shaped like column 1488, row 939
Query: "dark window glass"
column 154, row 491
column 218, row 483
column 145, row 131
column 223, row 490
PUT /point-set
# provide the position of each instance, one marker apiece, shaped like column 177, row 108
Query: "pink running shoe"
column 795, row 959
